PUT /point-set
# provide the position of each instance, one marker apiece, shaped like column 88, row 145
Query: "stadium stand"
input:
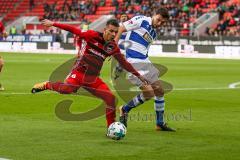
column 229, row 23
column 7, row 6
column 182, row 12
column 20, row 8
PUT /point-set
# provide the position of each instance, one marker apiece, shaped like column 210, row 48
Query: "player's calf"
column 109, row 99
column 158, row 88
column 123, row 117
column 63, row 88
column 147, row 91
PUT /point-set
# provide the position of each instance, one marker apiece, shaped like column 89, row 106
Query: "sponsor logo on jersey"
column 109, row 47
column 130, row 22
column 139, row 17
column 96, row 53
column 147, row 37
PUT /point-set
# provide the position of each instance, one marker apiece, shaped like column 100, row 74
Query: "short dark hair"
column 163, row 12
column 123, row 14
column 113, row 22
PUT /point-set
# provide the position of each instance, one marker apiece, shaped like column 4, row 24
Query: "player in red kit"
column 95, row 49
column 1, row 59
column 1, row 29
column 3, row 33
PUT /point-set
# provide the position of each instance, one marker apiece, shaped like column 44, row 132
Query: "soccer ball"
column 117, row 131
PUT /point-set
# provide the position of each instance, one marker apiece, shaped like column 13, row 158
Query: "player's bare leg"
column 159, row 106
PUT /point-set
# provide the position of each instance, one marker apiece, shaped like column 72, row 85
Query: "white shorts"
column 147, row 70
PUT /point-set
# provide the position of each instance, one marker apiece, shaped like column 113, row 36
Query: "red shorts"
column 89, row 82
column 94, row 85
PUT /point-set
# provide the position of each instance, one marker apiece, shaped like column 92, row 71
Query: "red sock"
column 110, row 115
column 60, row 87
column 105, row 94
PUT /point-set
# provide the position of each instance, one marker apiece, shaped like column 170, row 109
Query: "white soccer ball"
column 117, row 131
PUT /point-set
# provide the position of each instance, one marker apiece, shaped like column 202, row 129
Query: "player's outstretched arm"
column 128, row 67
column 121, row 29
column 47, row 23
column 66, row 27
column 129, row 25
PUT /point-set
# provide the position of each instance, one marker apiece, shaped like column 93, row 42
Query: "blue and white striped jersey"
column 140, row 35
column 121, row 41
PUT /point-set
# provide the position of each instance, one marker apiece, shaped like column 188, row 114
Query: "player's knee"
column 112, row 98
column 148, row 94
column 159, row 92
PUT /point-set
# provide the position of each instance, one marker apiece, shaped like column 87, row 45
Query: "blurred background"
column 203, row 105
column 208, row 27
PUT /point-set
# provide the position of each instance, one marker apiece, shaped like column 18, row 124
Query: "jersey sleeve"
column 1, row 27
column 125, row 64
column 69, row 28
column 134, row 23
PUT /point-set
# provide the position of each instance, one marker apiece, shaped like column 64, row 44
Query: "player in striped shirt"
column 140, row 34
column 95, row 48
column 118, row 69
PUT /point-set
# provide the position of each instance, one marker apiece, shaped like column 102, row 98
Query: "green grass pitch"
column 202, row 108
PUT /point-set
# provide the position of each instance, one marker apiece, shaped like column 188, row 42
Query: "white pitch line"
column 18, row 93
column 14, row 93
column 189, row 89
column 4, row 159
column 233, row 85
column 175, row 89
column 32, row 61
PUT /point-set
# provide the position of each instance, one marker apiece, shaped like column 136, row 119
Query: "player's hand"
column 47, row 23
column 144, row 80
column 116, row 40
column 118, row 71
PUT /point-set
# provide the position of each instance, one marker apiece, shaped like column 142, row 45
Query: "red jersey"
column 95, row 50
